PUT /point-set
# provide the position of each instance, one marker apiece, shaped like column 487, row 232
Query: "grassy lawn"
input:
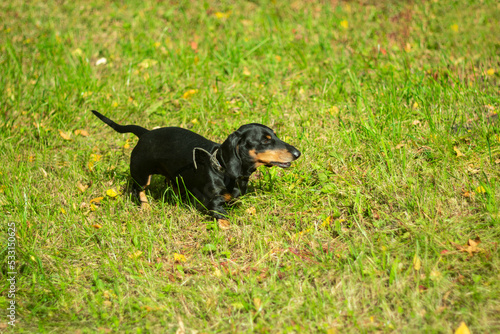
column 388, row 222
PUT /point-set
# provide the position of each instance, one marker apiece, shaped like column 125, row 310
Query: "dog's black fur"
column 213, row 173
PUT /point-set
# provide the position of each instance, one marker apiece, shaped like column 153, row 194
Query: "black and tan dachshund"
column 213, row 173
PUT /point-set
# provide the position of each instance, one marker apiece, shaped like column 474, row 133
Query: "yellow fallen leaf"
column 96, row 200
column 92, row 207
column 490, row 72
column 90, row 165
column 278, row 58
column 327, row 221
column 344, row 24
column 454, row 27
column 251, row 211
column 96, row 226
column 480, row 190
column 462, row 329
column 246, row 72
column 417, row 264
column 179, row 257
column 63, row 211
column 415, row 105
column 221, row 15
column 64, row 135
column 127, row 145
column 135, row 255
column 457, row 151
column 112, row 193
column 95, row 157
column 257, row 303
column 333, row 110
column 189, row 93
column 83, row 133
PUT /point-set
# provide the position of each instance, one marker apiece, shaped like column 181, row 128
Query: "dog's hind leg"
column 139, row 188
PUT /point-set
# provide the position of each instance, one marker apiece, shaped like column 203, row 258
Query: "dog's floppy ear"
column 230, row 155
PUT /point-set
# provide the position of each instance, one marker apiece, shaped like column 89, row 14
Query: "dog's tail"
column 135, row 129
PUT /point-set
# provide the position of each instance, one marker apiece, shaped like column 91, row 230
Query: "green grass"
column 360, row 235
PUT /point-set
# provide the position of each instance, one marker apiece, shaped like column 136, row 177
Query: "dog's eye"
column 266, row 140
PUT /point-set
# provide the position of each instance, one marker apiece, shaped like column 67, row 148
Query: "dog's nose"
column 295, row 153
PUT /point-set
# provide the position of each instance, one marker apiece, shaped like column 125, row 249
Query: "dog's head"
column 254, row 145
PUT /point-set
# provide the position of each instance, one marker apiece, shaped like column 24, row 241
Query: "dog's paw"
column 224, row 224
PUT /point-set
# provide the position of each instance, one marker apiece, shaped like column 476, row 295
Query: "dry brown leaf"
column 81, row 187
column 416, row 122
column 472, row 170
column 64, row 135
column 224, row 224
column 399, row 146
column 467, row 193
column 424, row 148
column 471, row 246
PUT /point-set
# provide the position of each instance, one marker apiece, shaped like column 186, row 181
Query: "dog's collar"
column 213, row 159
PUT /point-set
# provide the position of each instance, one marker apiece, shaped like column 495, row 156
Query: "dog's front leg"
column 240, row 187
column 216, row 209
